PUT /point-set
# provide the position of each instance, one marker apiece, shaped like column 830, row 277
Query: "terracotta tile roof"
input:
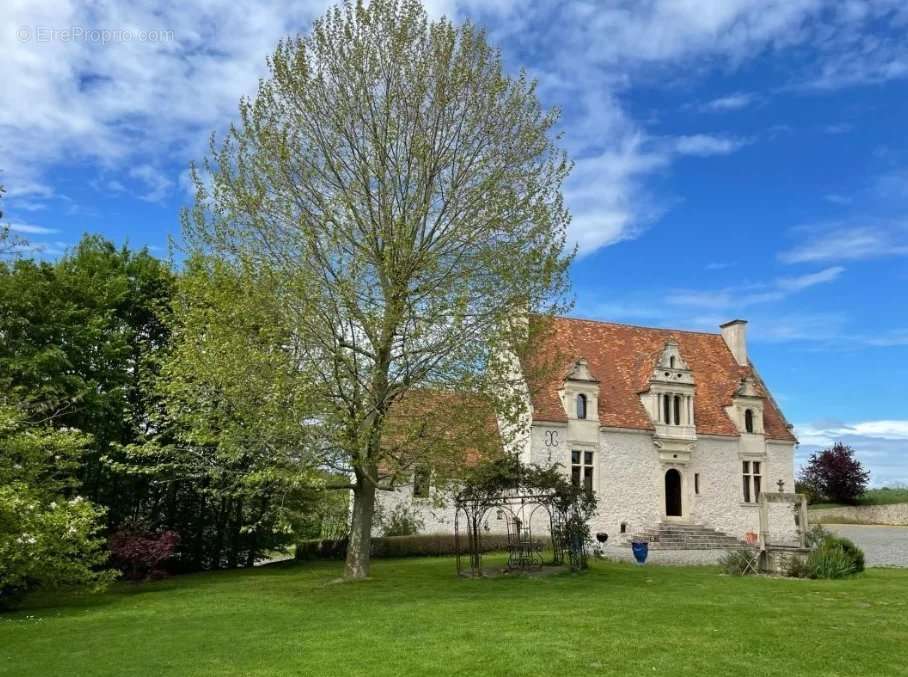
column 443, row 428
column 623, row 357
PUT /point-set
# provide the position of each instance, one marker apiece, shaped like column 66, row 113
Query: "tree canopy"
column 400, row 197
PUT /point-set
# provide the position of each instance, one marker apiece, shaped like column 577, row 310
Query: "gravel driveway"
column 882, row 546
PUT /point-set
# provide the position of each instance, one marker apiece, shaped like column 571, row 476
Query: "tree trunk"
column 359, row 546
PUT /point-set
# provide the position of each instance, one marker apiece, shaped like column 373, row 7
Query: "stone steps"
column 670, row 536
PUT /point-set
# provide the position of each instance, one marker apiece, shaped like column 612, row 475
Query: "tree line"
column 98, row 402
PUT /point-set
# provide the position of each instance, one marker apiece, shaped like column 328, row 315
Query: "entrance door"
column 673, row 493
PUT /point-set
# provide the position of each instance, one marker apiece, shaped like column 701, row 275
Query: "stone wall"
column 436, row 513
column 893, row 515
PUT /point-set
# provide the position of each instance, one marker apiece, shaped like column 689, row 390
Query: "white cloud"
column 839, row 242
column 607, row 197
column 735, row 101
column 31, row 229
column 821, row 329
column 152, row 104
column 879, row 445
column 743, row 296
column 704, row 145
column 79, row 100
column 156, row 184
column 794, row 284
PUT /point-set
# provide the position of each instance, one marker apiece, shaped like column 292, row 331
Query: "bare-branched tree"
column 402, row 194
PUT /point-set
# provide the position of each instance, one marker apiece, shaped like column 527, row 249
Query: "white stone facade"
column 629, row 480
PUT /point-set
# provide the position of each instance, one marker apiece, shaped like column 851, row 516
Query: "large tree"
column 402, row 196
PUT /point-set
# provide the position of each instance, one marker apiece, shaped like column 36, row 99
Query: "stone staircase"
column 673, row 536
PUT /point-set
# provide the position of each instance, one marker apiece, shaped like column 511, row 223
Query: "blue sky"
column 734, row 158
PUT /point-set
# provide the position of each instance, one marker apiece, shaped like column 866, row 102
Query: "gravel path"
column 882, row 546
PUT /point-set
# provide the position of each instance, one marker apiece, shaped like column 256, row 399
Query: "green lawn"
column 416, row 617
column 883, row 496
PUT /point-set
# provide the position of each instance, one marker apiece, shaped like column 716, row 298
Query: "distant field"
column 884, row 496
column 417, row 618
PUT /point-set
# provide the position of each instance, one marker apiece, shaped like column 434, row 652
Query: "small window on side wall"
column 581, row 406
column 748, row 420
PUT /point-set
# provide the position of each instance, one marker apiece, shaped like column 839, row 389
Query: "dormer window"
column 674, row 409
column 749, row 420
column 581, row 406
column 670, row 398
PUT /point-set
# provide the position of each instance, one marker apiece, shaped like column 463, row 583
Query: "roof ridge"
column 636, row 326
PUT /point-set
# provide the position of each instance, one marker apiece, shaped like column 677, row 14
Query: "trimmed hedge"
column 419, row 545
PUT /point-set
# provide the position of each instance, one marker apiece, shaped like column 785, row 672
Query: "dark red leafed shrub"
column 835, row 475
column 142, row 555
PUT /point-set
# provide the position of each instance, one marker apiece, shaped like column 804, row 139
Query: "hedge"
column 421, row 545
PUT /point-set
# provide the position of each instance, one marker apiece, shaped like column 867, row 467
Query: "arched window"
column 677, row 410
column 667, row 408
column 581, row 406
column 748, row 420
column 671, row 361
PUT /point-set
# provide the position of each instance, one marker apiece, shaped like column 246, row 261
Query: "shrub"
column 851, row 550
column 829, row 561
column 402, row 521
column 736, row 562
column 798, row 567
column 422, row 545
column 141, row 555
column 835, row 558
column 48, row 545
column 49, row 537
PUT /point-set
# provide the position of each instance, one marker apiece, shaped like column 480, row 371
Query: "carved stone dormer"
column 671, row 367
column 669, row 401
column 580, row 394
column 580, row 399
column 581, row 372
column 746, row 410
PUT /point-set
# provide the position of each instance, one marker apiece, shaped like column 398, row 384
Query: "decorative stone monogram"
column 551, row 438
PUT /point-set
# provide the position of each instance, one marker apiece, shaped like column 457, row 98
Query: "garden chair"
column 757, row 548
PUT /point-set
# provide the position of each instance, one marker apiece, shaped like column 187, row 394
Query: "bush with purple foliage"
column 834, row 475
column 141, row 555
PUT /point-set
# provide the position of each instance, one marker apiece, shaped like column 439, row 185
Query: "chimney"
column 735, row 335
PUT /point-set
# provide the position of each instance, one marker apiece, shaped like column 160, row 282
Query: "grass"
column 416, row 617
column 882, row 496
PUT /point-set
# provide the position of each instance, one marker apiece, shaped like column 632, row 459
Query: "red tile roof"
column 623, row 357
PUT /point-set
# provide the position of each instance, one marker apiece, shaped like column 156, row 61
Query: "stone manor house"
column 674, row 430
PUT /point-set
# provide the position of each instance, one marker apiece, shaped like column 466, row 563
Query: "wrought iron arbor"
column 523, row 510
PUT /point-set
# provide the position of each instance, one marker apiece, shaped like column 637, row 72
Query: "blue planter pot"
column 640, row 550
